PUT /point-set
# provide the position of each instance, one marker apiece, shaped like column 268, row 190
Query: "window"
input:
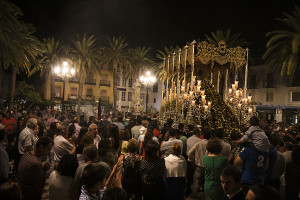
column 124, row 82
column 154, row 100
column 73, row 93
column 270, row 80
column 155, row 87
column 295, row 96
column 129, row 96
column 270, row 96
column 118, row 80
column 123, row 96
column 89, row 93
column 57, row 92
column 143, row 98
column 130, row 83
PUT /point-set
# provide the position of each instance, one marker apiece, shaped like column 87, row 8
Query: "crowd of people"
column 123, row 156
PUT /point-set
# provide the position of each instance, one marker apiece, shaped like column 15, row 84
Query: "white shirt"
column 175, row 166
column 167, row 146
column 61, row 147
column 26, row 139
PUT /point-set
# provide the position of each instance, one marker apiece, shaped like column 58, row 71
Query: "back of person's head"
column 151, row 151
column 91, row 118
column 232, row 171
column 196, row 131
column 68, row 165
column 198, row 196
column 288, row 146
column 115, row 193
column 44, row 141
column 139, row 121
column 180, row 126
column 90, row 151
column 172, row 132
column 153, row 123
column 133, row 146
column 176, row 149
column 264, row 192
column 296, row 155
column 254, row 121
column 114, row 133
column 214, row 146
column 93, row 174
column 92, row 126
column 10, row 191
column 274, row 140
column 104, row 146
column 120, row 119
column 206, row 134
column 31, row 123
column 81, row 118
column 219, row 133
column 191, row 127
column 2, row 135
column 169, row 122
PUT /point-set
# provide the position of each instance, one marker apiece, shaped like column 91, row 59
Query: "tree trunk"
column 52, row 87
column 115, row 85
column 80, row 90
column 12, row 87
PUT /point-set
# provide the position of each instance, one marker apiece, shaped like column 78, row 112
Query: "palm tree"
column 19, row 49
column 116, row 58
column 283, row 45
column 140, row 59
column 85, row 53
column 231, row 40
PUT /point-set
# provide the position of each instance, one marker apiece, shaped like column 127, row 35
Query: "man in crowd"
column 27, row 138
column 138, row 129
column 231, row 181
column 120, row 123
column 4, row 164
column 192, row 140
column 32, row 171
column 10, row 125
column 166, row 147
column 226, row 148
column 89, row 137
column 262, row 192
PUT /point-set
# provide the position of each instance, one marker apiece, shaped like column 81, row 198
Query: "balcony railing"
column 88, row 97
column 74, row 80
column 57, row 78
column 72, row 97
column 90, row 81
column 104, row 83
column 104, row 99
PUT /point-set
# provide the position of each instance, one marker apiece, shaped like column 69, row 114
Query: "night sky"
column 156, row 23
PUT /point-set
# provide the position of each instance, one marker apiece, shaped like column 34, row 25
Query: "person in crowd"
column 231, row 181
column 79, row 146
column 213, row 164
column 89, row 137
column 60, row 180
column 83, row 121
column 95, row 181
column 195, row 157
column 53, row 131
column 192, row 140
column 114, row 135
column 115, row 193
column 288, row 148
column 198, row 196
column 176, row 168
column 254, row 164
column 120, row 123
column 91, row 120
column 77, row 126
column 166, row 147
column 90, row 156
column 4, row 164
column 62, row 145
column 131, row 179
column 226, row 148
column 148, row 138
column 10, row 125
column 292, row 175
column 32, row 171
column 188, row 129
column 138, row 129
column 27, row 138
column 164, row 134
column 256, row 135
column 183, row 139
column 262, row 192
column 106, row 152
column 156, row 131
column 10, row 191
column 72, row 132
column 50, row 120
column 152, row 170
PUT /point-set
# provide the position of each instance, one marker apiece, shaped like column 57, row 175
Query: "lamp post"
column 147, row 80
column 64, row 72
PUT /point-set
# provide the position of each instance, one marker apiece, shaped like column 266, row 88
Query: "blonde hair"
column 176, row 149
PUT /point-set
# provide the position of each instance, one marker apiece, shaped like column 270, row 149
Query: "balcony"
column 58, row 79
column 88, row 97
column 72, row 97
column 74, row 80
column 58, row 96
column 104, row 83
column 90, row 81
column 104, row 99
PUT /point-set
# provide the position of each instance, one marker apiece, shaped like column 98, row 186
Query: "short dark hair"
column 206, row 134
column 264, row 192
column 92, row 174
column 45, row 141
column 198, row 196
column 115, row 193
column 172, row 132
column 219, row 133
column 232, row 171
column 254, row 121
column 169, row 122
column 191, row 127
column 10, row 191
column 151, row 151
column 180, row 125
column 91, row 151
column 68, row 165
column 2, row 134
column 214, row 146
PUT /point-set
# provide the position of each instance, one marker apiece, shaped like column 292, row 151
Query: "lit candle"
column 209, row 104
column 203, row 97
column 233, row 86
column 236, row 84
column 230, row 100
column 249, row 110
column 199, row 82
column 237, row 94
column 198, row 89
column 230, row 91
column 191, row 93
column 245, row 100
column 182, row 89
column 202, row 92
column 206, row 108
column 193, row 103
column 239, row 106
column 185, row 96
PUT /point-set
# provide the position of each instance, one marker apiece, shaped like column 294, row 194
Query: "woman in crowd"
column 60, row 180
column 175, row 173
column 213, row 164
column 131, row 179
column 292, row 175
column 79, row 146
column 106, row 152
column 152, row 170
column 148, row 138
column 53, row 131
column 114, row 135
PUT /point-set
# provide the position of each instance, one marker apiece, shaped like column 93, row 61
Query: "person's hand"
column 117, row 166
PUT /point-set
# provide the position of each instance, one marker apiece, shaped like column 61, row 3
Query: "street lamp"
column 64, row 72
column 147, row 80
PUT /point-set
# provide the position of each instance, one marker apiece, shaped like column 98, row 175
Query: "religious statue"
column 136, row 96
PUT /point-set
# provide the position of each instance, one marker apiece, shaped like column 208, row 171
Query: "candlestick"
column 239, row 106
column 249, row 110
column 193, row 103
column 230, row 91
column 206, row 108
column 249, row 98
